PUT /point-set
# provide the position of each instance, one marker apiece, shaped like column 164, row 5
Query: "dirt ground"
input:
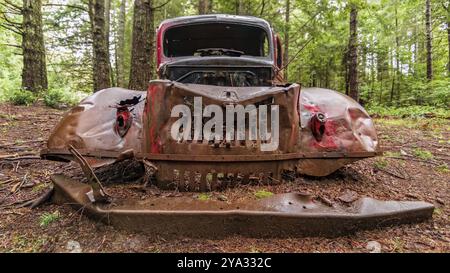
column 414, row 168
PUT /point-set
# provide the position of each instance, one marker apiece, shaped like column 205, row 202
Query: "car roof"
column 217, row 18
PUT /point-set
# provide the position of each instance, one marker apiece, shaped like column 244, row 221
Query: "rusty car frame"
column 224, row 60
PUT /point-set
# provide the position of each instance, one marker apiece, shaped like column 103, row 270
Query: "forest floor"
column 415, row 168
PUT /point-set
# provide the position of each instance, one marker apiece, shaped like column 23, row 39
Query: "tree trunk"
column 204, row 6
column 448, row 36
column 239, row 5
column 107, row 33
column 286, row 39
column 142, row 46
column 353, row 54
column 34, row 73
column 346, row 74
column 429, row 41
column 120, row 45
column 101, row 68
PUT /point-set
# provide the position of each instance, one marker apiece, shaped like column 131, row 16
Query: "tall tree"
column 204, row 6
column 239, row 7
column 120, row 45
column 286, row 37
column 353, row 53
column 429, row 40
column 107, row 34
column 101, row 65
column 447, row 8
column 142, row 64
column 34, row 72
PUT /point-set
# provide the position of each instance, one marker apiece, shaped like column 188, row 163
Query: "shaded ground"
column 415, row 168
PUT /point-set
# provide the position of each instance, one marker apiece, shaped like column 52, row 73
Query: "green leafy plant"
column 423, row 154
column 57, row 98
column 22, row 97
column 443, row 168
column 381, row 163
column 48, row 218
column 263, row 194
column 203, row 197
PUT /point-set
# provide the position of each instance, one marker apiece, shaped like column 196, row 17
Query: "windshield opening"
column 216, row 39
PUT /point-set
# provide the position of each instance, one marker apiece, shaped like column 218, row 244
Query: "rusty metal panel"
column 283, row 215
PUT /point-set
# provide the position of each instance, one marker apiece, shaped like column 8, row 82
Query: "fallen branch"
column 36, row 202
column 20, row 158
column 21, row 142
column 413, row 159
column 19, row 185
column 391, row 173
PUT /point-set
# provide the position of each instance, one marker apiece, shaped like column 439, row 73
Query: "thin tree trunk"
column 353, row 54
column 210, row 6
column 107, row 34
column 34, row 72
column 239, row 6
column 203, row 6
column 120, row 45
column 286, row 39
column 448, row 36
column 429, row 41
column 142, row 64
column 107, row 20
column 346, row 67
column 101, row 68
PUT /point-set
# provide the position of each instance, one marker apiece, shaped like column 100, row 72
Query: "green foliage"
column 443, row 168
column 381, row 24
column 58, row 98
column 408, row 111
column 263, row 194
column 203, row 197
column 381, row 164
column 22, row 97
column 48, row 218
column 423, row 154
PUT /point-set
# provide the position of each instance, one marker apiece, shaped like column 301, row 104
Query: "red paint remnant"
column 317, row 125
column 328, row 139
column 311, row 108
column 326, row 143
column 154, row 141
column 123, row 120
column 330, row 128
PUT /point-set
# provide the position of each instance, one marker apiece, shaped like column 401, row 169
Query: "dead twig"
column 413, row 159
column 391, row 173
column 19, row 185
column 6, row 145
column 20, row 158
column 35, row 202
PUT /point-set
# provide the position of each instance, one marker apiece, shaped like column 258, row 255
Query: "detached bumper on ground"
column 282, row 215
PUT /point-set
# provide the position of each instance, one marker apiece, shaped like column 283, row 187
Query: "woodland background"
column 393, row 56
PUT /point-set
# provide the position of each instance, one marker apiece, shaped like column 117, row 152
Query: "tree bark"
column 107, row 34
column 286, row 38
column 34, row 72
column 120, row 47
column 353, row 54
column 448, row 36
column 429, row 40
column 101, row 68
column 204, row 6
column 142, row 64
column 239, row 6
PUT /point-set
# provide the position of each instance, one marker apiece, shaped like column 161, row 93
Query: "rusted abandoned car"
column 219, row 115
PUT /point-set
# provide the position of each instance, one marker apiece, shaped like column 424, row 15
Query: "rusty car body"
column 224, row 60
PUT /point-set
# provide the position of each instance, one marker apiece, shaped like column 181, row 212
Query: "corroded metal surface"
column 320, row 130
column 347, row 135
column 282, row 215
